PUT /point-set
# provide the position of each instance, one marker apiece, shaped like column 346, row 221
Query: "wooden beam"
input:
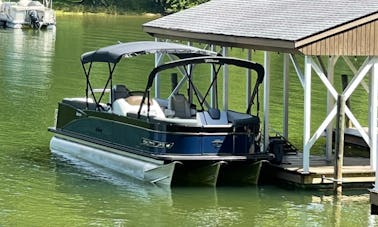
column 340, row 126
column 285, row 46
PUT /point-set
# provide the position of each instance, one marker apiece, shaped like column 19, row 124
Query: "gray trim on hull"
column 161, row 157
column 110, row 149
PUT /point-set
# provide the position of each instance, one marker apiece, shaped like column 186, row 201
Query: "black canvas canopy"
column 113, row 54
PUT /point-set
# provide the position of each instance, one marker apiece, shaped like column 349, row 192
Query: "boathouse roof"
column 311, row 27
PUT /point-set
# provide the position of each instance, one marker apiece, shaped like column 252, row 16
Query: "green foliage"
column 121, row 7
column 172, row 6
column 108, row 6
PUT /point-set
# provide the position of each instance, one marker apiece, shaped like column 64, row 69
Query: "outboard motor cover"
column 34, row 21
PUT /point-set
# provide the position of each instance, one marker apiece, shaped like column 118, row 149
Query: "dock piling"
column 340, row 127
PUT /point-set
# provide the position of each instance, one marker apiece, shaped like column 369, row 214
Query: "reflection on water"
column 26, row 60
column 124, row 200
column 27, row 57
column 48, row 188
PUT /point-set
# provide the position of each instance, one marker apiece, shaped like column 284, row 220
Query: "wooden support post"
column 340, row 127
column 344, row 82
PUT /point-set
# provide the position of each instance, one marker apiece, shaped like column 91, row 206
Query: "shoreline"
column 62, row 12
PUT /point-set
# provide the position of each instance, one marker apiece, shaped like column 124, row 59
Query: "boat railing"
column 91, row 93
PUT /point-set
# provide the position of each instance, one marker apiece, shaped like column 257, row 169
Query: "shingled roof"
column 278, row 25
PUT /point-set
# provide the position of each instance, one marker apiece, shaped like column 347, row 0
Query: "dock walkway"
column 357, row 172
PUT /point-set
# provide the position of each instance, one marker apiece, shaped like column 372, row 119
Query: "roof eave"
column 338, row 29
column 284, row 46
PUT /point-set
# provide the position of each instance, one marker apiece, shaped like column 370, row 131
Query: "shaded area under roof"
column 262, row 24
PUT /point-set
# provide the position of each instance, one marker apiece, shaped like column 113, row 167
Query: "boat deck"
column 357, row 172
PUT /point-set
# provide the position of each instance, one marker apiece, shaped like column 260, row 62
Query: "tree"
column 161, row 6
column 172, row 6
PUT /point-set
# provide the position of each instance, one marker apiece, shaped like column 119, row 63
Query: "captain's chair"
column 119, row 91
column 180, row 105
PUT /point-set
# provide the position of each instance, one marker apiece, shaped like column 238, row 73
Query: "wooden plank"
column 345, row 44
column 350, row 52
column 371, row 40
column 323, row 47
column 338, row 47
column 313, row 49
column 294, row 163
column 367, row 39
column 363, row 41
column 326, row 51
column 352, row 42
column 307, row 50
column 303, row 50
column 356, row 172
column 331, row 47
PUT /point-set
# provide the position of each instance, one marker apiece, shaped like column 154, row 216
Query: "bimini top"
column 113, row 53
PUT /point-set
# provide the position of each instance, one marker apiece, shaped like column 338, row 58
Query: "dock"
column 319, row 51
column 357, row 173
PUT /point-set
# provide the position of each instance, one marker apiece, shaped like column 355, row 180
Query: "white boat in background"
column 27, row 14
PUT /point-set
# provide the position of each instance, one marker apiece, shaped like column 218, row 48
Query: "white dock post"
column 212, row 90
column 373, row 117
column 266, row 98
column 248, row 80
column 158, row 60
column 225, row 80
column 330, row 104
column 373, row 135
column 307, row 115
column 285, row 123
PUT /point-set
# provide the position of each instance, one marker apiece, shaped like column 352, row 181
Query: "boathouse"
column 314, row 30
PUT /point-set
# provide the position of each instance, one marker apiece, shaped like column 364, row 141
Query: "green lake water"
column 37, row 188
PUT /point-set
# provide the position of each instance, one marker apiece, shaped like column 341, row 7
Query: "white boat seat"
column 135, row 100
column 131, row 105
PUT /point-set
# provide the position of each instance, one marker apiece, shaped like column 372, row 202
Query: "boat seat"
column 131, row 105
column 136, row 100
column 119, row 91
column 180, row 105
